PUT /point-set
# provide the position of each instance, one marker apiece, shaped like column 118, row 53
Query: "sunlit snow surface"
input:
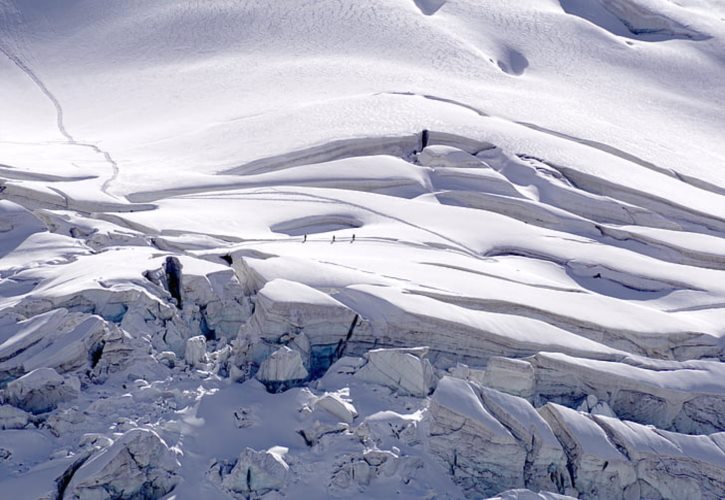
column 569, row 205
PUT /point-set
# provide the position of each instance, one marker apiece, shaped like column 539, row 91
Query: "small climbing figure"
column 304, row 238
column 353, row 238
column 333, row 239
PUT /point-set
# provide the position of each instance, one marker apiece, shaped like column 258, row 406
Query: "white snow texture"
column 383, row 249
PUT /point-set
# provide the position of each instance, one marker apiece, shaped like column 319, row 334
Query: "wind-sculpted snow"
column 399, row 248
column 642, row 20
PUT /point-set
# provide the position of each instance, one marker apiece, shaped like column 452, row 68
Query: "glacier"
column 390, row 249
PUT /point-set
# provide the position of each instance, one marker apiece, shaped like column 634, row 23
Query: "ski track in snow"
column 59, row 117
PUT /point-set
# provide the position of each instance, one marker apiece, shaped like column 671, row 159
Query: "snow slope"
column 232, row 224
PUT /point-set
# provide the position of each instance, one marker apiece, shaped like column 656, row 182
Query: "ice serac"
column 138, row 464
column 134, row 298
column 13, row 418
column 57, row 339
column 337, row 406
column 406, row 371
column 254, row 473
column 119, row 348
column 482, row 455
column 598, row 468
column 215, row 305
column 592, row 405
column 41, row 390
column 328, row 414
column 363, row 470
column 195, row 353
column 221, row 300
column 512, row 376
column 284, row 310
column 686, row 396
column 455, row 333
column 282, row 369
column 668, row 464
column 546, row 466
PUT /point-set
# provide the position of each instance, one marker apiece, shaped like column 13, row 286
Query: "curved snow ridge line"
column 699, row 183
column 504, row 278
column 687, row 256
column 577, row 270
column 362, row 184
column 606, row 148
column 60, row 123
column 659, row 249
column 328, row 199
column 559, row 219
column 10, row 172
column 312, row 224
column 403, row 146
column 34, row 199
column 703, row 307
column 567, row 196
column 457, row 244
column 154, row 233
column 635, row 342
column 529, row 211
column 389, row 241
column 662, row 206
column 391, row 278
column 400, row 146
column 446, row 100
